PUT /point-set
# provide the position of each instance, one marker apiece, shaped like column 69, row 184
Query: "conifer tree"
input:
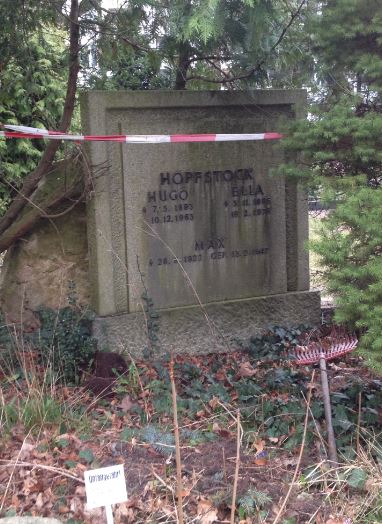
column 341, row 149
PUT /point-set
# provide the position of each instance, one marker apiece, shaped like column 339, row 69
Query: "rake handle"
column 332, row 449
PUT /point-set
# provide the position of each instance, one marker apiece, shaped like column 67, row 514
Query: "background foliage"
column 341, row 159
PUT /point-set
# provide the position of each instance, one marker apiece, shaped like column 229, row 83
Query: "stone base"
column 214, row 327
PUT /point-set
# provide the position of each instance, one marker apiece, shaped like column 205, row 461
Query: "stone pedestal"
column 203, row 230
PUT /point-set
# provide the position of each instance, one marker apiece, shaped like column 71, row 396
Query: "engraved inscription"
column 180, row 199
column 175, row 206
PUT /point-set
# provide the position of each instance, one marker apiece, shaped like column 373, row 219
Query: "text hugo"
column 163, row 195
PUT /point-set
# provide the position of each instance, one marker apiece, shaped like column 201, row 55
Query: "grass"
column 355, row 487
column 33, row 396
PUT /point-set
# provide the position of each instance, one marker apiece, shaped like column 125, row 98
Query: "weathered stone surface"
column 29, row 520
column 37, row 268
column 211, row 328
column 197, row 223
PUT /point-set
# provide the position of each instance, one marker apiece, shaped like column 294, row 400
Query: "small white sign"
column 105, row 486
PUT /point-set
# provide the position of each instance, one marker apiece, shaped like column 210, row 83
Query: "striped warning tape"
column 33, row 132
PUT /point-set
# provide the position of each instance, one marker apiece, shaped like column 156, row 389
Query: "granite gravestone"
column 214, row 239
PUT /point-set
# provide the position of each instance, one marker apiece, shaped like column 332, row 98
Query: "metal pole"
column 328, row 412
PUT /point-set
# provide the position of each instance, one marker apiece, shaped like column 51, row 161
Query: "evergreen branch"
column 259, row 65
column 135, row 45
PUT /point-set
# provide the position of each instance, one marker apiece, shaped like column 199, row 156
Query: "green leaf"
column 357, row 478
column 63, row 443
column 86, row 455
column 127, row 434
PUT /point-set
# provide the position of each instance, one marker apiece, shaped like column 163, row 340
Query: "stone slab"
column 200, row 221
column 29, row 520
column 214, row 327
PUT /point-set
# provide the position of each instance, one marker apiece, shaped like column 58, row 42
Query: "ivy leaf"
column 357, row 478
column 87, row 455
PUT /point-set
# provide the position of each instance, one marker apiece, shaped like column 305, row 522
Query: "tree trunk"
column 183, row 65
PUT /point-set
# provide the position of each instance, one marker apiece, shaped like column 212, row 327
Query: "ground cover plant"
column 51, row 432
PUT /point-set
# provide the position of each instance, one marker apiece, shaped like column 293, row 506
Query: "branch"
column 135, row 45
column 67, row 188
column 31, row 181
column 258, row 66
column 237, row 468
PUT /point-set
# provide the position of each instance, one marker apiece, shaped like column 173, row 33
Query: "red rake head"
column 328, row 348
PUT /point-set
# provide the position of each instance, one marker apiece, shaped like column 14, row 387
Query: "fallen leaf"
column 26, row 451
column 126, row 404
column 185, row 492
column 15, row 501
column 76, row 505
column 261, row 461
column 80, row 491
column 225, row 433
column 63, row 509
column 95, row 516
column 213, row 402
column 207, row 513
column 40, row 502
column 259, row 445
column 124, row 513
column 29, row 486
column 246, row 370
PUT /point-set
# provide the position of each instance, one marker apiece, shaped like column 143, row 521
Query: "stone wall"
column 38, row 267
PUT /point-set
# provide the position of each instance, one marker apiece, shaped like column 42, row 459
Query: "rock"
column 101, row 387
column 109, row 365
column 38, row 267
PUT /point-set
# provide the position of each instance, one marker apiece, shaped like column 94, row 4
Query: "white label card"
column 105, row 486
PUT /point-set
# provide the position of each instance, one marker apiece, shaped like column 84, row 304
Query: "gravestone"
column 203, row 230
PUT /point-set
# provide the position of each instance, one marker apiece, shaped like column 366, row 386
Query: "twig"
column 179, row 484
column 59, row 471
column 167, row 486
column 297, row 468
column 13, row 465
column 224, row 466
column 237, row 466
column 147, row 412
column 358, row 447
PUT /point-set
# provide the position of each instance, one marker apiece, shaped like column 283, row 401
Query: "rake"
column 327, row 348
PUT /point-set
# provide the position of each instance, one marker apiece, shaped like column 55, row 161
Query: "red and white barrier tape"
column 33, row 132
